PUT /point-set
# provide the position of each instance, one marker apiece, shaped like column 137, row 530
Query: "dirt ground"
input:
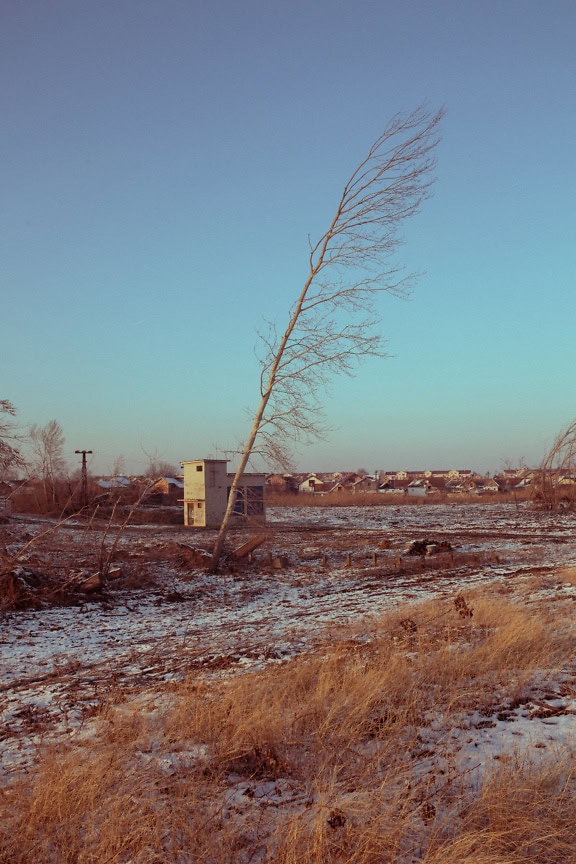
column 71, row 644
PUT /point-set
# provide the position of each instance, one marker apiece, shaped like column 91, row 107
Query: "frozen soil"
column 161, row 618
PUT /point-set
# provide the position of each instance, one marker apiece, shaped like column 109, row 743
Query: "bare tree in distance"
column 333, row 321
column 554, row 481
column 11, row 458
column 48, row 456
column 158, row 467
column 118, row 466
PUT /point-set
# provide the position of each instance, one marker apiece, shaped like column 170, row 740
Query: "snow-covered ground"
column 58, row 664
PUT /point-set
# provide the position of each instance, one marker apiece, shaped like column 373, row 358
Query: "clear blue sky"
column 163, row 164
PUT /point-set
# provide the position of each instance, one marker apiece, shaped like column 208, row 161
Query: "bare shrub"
column 554, row 483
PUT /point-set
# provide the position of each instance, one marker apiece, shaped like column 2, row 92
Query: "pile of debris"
column 428, row 547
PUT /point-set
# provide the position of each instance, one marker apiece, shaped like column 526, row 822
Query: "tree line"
column 39, row 452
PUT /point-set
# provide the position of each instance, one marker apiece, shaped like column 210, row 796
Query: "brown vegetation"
column 555, row 481
column 381, row 499
column 345, row 755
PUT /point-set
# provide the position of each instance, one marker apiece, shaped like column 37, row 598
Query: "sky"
column 163, row 165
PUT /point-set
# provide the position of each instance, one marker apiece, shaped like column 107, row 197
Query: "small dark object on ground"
column 428, row 547
column 280, row 562
column 462, row 607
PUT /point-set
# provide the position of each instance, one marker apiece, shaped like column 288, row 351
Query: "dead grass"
column 568, row 575
column 524, row 813
column 379, row 499
column 343, row 755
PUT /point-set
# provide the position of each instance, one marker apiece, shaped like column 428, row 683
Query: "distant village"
column 411, row 483
column 202, row 490
column 169, row 490
column 166, row 490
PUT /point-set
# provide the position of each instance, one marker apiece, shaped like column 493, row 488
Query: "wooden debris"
column 544, row 710
column 280, row 562
column 91, row 584
column 188, row 556
column 250, row 545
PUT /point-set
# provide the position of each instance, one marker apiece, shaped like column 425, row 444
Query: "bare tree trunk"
column 221, row 538
column 256, row 425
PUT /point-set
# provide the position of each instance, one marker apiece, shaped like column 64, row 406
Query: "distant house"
column 417, row 489
column 455, row 486
column 343, row 482
column 311, row 483
column 480, row 485
column 119, row 482
column 166, row 490
column 282, row 483
column 432, row 481
column 526, row 481
column 394, row 484
column 116, row 489
column 509, row 479
column 368, row 483
column 320, row 482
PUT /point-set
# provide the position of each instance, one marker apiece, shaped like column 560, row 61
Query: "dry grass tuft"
column 568, row 575
column 81, row 809
column 523, row 813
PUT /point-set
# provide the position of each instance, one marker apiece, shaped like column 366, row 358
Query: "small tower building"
column 207, row 487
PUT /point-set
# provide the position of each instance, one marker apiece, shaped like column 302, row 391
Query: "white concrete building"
column 206, row 490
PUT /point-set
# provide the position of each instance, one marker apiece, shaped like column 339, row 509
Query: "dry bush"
column 302, row 714
column 364, row 826
column 553, row 484
column 523, row 814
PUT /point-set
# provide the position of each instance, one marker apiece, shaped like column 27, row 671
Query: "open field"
column 336, row 699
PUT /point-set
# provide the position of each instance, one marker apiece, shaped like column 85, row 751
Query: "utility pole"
column 84, row 490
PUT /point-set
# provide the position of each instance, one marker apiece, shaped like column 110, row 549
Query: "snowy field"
column 160, row 621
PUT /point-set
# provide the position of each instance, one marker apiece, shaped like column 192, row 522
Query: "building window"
column 255, row 500
column 199, row 467
column 249, row 501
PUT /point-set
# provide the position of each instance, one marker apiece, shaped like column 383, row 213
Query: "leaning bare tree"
column 333, row 322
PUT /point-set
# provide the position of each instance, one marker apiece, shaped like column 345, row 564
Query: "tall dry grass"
column 344, row 755
column 379, row 499
column 524, row 814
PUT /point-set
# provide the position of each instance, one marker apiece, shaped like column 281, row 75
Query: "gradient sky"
column 163, row 164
